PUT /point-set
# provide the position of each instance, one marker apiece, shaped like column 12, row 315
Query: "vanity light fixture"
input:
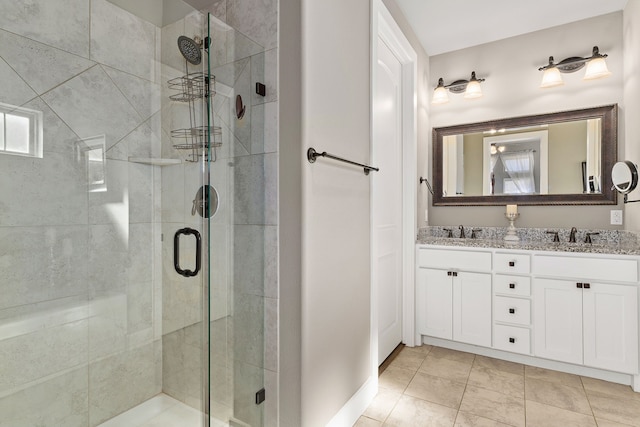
column 596, row 68
column 471, row 89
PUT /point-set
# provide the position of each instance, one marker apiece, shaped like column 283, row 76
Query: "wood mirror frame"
column 609, row 154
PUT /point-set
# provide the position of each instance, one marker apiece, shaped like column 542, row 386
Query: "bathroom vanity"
column 569, row 307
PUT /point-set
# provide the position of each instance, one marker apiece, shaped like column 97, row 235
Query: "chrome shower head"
column 190, row 50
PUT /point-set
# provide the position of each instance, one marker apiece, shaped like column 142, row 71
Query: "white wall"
column 335, row 200
column 512, row 89
column 630, row 122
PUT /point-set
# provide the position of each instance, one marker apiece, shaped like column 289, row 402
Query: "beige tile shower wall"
column 79, row 313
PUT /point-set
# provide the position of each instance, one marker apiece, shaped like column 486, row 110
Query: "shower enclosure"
column 133, row 251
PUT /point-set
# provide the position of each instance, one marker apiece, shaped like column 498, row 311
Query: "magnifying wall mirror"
column 624, row 176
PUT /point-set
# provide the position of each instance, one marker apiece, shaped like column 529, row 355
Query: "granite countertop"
column 612, row 242
column 606, row 248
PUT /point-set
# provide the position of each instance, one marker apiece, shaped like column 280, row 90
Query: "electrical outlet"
column 616, row 217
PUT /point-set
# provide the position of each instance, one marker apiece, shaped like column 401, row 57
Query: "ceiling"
column 448, row 25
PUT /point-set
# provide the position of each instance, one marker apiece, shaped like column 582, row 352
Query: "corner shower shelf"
column 155, row 161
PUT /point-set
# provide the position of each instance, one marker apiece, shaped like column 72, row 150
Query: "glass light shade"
column 440, row 96
column 551, row 78
column 473, row 90
column 596, row 69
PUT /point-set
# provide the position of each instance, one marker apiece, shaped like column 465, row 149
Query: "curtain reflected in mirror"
column 537, row 159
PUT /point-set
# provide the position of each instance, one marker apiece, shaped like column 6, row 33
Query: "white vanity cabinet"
column 454, row 295
column 545, row 308
column 582, row 316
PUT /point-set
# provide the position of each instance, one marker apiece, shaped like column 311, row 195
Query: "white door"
column 472, row 308
column 558, row 320
column 387, row 199
column 611, row 327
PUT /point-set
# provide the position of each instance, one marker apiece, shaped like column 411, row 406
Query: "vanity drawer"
column 619, row 270
column 512, row 338
column 512, row 310
column 453, row 259
column 512, row 263
column 512, row 285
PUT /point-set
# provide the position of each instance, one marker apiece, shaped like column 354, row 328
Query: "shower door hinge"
column 207, row 40
column 260, row 396
column 261, row 89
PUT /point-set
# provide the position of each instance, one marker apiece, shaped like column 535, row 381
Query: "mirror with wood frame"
column 560, row 158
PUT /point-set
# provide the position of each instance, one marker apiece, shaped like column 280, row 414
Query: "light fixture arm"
column 459, row 86
column 574, row 63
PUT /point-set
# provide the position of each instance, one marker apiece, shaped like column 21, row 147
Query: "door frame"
column 386, row 28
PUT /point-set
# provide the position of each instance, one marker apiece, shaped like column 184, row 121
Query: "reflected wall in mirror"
column 559, row 158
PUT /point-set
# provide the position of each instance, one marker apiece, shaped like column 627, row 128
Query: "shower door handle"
column 176, row 251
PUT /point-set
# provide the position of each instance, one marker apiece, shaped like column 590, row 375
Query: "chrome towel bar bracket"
column 312, row 155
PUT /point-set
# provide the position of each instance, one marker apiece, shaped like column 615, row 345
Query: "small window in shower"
column 20, row 131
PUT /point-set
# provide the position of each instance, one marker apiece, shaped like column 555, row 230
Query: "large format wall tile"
column 257, row 19
column 182, row 365
column 14, row 90
column 60, row 401
column 47, row 191
column 123, row 381
column 42, row 263
column 109, row 259
column 121, row 40
column 255, row 263
column 255, row 189
column 143, row 94
column 42, row 67
column 62, row 23
column 57, row 136
column 248, row 321
column 26, row 358
column 92, row 105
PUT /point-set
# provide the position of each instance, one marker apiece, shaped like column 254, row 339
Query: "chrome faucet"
column 462, row 236
column 572, row 235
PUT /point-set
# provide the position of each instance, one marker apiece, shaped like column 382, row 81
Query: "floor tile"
column 553, row 376
column 367, row 422
column 493, row 405
column 541, row 415
column 592, row 385
column 558, row 395
column 382, row 404
column 446, row 368
column 500, row 381
column 615, row 409
column 415, row 412
column 607, row 423
column 396, row 379
column 408, row 359
column 500, row 365
column 436, row 390
column 469, row 420
column 458, row 356
column 421, row 349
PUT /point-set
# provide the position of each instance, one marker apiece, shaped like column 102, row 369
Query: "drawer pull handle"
column 449, row 273
column 587, row 285
column 512, row 310
column 579, row 285
column 512, row 285
column 512, row 263
column 512, row 340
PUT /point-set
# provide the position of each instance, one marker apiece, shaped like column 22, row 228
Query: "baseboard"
column 351, row 411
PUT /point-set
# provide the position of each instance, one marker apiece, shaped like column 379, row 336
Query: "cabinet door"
column 434, row 298
column 472, row 308
column 611, row 327
column 558, row 320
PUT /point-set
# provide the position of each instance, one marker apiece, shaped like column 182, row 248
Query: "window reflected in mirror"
column 536, row 159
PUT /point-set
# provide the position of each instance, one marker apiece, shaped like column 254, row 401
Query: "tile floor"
column 434, row 386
